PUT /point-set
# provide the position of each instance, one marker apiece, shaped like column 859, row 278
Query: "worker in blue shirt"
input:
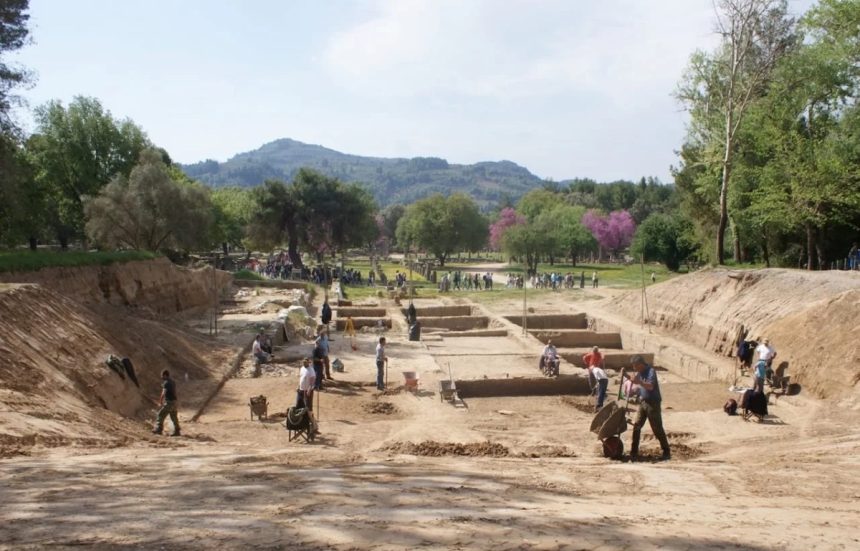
column 649, row 407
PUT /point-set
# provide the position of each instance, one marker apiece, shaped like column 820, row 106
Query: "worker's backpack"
column 731, row 407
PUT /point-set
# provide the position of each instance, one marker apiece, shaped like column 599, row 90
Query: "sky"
column 566, row 88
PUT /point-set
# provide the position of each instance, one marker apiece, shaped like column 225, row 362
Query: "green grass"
column 609, row 275
column 247, row 274
column 389, row 268
column 30, row 261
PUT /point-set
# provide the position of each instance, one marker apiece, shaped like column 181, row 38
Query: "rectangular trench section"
column 536, row 386
column 551, row 321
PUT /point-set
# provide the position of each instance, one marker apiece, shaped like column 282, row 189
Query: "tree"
column 76, row 152
column 613, row 232
column 231, row 209
column 537, row 201
column 575, row 239
column 719, row 88
column 508, row 217
column 274, row 219
column 22, row 201
column 525, row 241
column 389, row 218
column 664, row 238
column 14, row 34
column 443, row 225
column 149, row 210
column 331, row 215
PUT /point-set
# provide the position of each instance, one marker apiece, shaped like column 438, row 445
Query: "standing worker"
column 594, row 279
column 381, row 362
column 167, row 405
column 649, row 407
column 305, row 392
column 318, row 356
column 325, row 316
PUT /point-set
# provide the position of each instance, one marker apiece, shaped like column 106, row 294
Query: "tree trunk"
column 573, row 258
column 736, row 241
column 810, row 247
column 552, row 260
column 293, row 250
column 765, row 251
column 822, row 257
column 224, row 249
column 33, row 243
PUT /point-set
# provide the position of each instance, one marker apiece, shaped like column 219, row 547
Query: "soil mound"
column 380, row 408
column 438, row 449
column 158, row 284
column 809, row 317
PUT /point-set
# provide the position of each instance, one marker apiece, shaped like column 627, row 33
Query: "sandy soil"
column 397, row 470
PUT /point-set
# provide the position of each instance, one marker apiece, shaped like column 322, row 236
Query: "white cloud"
column 511, row 50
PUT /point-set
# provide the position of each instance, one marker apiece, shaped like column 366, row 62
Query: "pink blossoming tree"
column 613, row 232
column 507, row 218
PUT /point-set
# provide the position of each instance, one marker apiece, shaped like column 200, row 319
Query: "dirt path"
column 382, row 474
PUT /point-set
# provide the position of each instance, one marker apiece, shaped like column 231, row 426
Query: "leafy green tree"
column 391, row 215
column 232, row 208
column 574, row 238
column 22, row 201
column 149, row 210
column 14, row 34
column 76, row 152
column 537, row 201
column 442, row 225
column 274, row 219
column 664, row 238
column 331, row 215
column 719, row 88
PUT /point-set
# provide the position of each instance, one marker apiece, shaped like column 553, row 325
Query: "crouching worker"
column 257, row 350
column 167, row 405
column 649, row 407
column 305, row 392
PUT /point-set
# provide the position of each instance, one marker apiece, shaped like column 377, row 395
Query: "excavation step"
column 614, row 359
column 436, row 311
column 359, row 312
column 576, row 338
column 455, row 323
column 522, row 386
column 340, row 323
column 476, row 333
column 548, row 321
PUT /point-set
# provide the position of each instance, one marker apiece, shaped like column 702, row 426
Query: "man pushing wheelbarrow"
column 612, row 420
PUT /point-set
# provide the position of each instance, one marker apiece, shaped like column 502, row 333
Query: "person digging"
column 167, row 405
column 649, row 407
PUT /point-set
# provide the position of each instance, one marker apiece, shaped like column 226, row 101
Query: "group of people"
column 466, row 281
column 557, row 281
column 763, row 354
column 644, row 382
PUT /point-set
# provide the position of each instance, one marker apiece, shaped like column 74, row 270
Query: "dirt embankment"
column 158, row 285
column 55, row 335
column 811, row 318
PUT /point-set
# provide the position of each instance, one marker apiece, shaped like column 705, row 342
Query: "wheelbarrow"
column 259, row 406
column 447, row 390
column 608, row 424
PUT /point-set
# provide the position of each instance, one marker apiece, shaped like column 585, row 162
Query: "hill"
column 389, row 180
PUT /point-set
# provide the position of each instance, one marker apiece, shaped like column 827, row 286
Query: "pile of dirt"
column 158, row 285
column 809, row 317
column 380, row 408
column 547, row 451
column 438, row 449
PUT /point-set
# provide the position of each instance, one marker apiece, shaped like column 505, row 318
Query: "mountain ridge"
column 389, row 179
